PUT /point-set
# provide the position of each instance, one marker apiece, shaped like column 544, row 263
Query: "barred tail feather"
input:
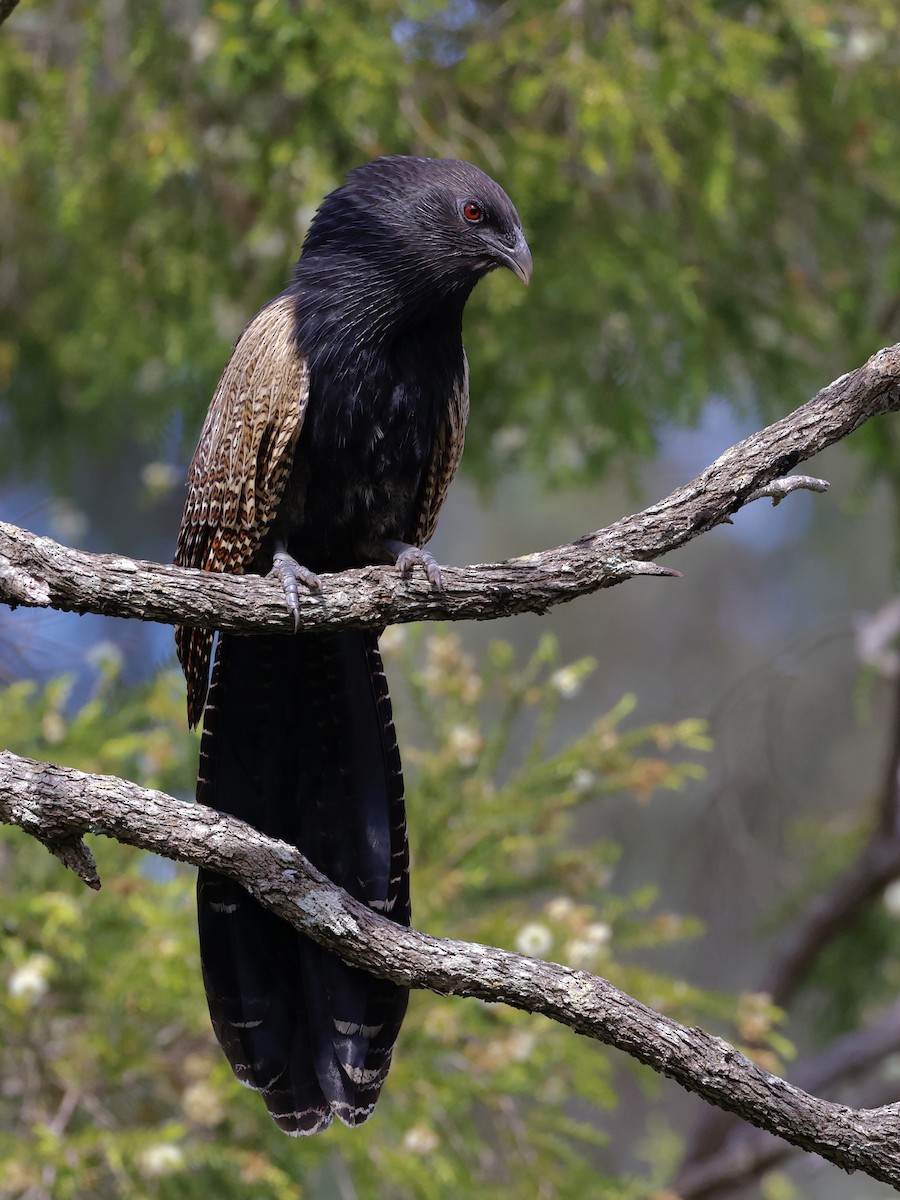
column 299, row 741
column 194, row 647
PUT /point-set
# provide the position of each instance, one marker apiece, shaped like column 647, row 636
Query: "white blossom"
column 204, row 40
column 202, row 1103
column 567, row 681
column 159, row 477
column 161, row 1159
column 104, row 656
column 891, row 898
column 29, row 982
column 466, row 743
column 559, row 908
column 420, row 1139
column 598, row 933
column 534, row 940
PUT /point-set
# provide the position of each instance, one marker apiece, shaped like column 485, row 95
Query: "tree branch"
column 60, row 804
column 40, row 573
column 744, row 1153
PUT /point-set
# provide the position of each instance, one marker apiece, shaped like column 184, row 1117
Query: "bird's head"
column 438, row 223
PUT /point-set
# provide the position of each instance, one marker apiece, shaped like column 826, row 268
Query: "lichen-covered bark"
column 58, row 805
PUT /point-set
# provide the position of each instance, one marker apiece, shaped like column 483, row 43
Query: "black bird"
column 330, row 442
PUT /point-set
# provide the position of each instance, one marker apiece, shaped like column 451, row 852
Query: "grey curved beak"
column 519, row 259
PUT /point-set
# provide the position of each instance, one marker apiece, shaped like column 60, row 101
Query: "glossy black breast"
column 365, row 446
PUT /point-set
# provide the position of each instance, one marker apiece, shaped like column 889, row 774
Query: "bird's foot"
column 291, row 574
column 407, row 558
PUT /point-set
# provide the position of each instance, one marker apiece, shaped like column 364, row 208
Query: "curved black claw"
column 407, row 558
column 292, row 574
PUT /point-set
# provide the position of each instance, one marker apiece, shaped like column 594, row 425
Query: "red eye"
column 473, row 212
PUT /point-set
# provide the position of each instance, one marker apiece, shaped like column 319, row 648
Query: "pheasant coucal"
column 330, row 443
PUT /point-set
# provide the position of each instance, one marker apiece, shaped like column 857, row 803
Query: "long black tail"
column 298, row 740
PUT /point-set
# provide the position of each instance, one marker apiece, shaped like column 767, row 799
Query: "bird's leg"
column 292, row 574
column 406, row 557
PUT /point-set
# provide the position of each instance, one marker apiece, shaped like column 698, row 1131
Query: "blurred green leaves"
column 111, row 1082
column 711, row 194
column 710, row 191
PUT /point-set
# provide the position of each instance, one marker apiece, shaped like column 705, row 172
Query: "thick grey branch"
column 743, row 1153
column 39, row 572
column 59, row 804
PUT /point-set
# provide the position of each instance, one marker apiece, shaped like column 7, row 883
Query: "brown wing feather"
column 240, row 467
column 448, row 448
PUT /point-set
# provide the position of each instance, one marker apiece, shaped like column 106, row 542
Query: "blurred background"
column 661, row 782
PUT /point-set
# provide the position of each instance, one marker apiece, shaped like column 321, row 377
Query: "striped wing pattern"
column 448, row 448
column 240, row 467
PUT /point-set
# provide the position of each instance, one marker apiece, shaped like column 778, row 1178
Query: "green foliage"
column 856, row 974
column 117, row 730
column 710, row 191
column 112, row 1083
column 711, row 194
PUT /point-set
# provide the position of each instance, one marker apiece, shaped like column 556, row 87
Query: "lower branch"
column 57, row 804
column 743, row 1154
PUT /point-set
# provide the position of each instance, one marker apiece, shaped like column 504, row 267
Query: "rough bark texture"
column 58, row 805
column 41, row 573
column 741, row 1154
